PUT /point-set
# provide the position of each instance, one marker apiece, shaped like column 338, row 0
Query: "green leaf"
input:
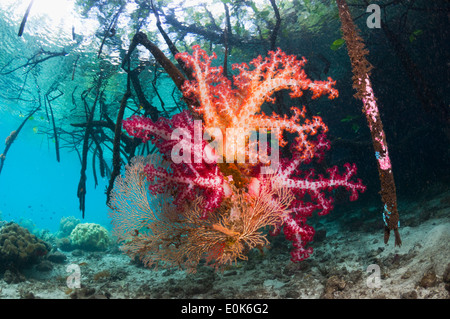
column 337, row 44
column 413, row 36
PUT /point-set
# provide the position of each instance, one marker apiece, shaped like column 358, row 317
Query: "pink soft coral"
column 187, row 179
column 310, row 196
column 237, row 106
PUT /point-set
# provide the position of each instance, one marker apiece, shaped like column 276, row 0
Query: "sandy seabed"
column 350, row 261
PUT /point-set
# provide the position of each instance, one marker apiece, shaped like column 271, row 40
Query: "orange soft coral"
column 239, row 108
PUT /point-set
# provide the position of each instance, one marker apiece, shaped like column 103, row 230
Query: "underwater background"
column 70, row 56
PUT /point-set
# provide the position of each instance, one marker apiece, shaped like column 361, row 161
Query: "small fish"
column 35, row 129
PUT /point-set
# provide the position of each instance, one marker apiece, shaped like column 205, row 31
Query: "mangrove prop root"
column 24, row 20
column 361, row 82
column 12, row 137
column 116, row 147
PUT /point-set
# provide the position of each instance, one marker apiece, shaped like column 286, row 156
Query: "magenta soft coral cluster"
column 201, row 178
column 311, row 196
column 187, row 179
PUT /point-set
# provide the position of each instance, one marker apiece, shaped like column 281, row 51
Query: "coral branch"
column 154, row 230
column 224, row 107
column 187, row 179
column 310, row 196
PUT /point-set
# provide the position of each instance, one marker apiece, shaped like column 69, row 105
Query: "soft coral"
column 186, row 179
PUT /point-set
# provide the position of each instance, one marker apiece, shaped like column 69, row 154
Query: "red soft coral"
column 237, row 106
column 310, row 196
column 185, row 179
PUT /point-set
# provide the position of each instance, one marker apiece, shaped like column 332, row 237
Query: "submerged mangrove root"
column 140, row 38
column 24, row 20
column 361, row 82
column 12, row 137
column 116, row 148
column 81, row 190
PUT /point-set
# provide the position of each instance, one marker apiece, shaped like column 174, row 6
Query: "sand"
column 338, row 268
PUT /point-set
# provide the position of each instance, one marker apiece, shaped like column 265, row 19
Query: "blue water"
column 34, row 186
column 70, row 55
